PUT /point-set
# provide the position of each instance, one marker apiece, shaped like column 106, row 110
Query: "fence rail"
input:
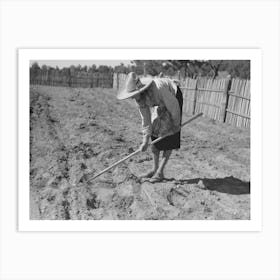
column 224, row 100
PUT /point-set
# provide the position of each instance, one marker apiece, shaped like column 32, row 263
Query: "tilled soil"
column 76, row 133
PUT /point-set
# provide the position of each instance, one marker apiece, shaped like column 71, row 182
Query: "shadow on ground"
column 230, row 185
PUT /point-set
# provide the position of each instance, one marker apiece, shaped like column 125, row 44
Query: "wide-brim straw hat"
column 133, row 86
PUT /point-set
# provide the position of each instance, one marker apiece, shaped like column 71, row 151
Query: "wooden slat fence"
column 189, row 95
column 211, row 98
column 224, row 100
column 53, row 77
column 119, row 81
column 239, row 103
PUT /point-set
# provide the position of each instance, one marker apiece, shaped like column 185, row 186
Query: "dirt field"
column 76, row 133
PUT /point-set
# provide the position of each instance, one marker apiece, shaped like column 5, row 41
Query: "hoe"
column 138, row 151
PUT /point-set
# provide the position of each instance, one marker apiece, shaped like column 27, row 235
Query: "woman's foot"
column 149, row 174
column 158, row 177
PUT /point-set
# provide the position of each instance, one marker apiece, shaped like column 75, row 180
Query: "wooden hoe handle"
column 138, row 151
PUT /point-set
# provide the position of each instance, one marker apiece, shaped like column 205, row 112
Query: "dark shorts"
column 173, row 141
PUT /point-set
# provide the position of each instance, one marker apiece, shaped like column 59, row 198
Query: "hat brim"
column 124, row 94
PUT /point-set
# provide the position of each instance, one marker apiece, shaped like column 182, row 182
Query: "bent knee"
column 154, row 149
column 167, row 153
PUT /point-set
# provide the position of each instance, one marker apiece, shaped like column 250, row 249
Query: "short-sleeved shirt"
column 166, row 114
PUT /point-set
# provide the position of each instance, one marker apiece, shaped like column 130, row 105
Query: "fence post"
column 224, row 105
column 195, row 96
column 118, row 81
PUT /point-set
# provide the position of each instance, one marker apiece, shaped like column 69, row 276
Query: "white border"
column 24, row 57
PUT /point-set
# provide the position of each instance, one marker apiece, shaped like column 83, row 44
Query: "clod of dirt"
column 54, row 181
column 130, row 150
column 119, row 139
column 124, row 202
column 62, row 158
column 201, row 185
column 169, row 199
column 85, row 178
column 84, row 150
column 33, row 171
column 181, row 191
column 135, row 178
column 66, row 205
column 108, row 131
column 92, row 123
column 147, row 158
column 83, row 166
column 207, row 210
column 104, row 156
column 51, row 198
column 82, row 126
column 93, row 202
column 53, row 120
column 177, row 196
column 92, row 116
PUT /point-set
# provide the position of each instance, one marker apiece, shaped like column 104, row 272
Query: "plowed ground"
column 76, row 133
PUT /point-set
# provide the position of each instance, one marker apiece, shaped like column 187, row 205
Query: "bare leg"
column 158, row 176
column 155, row 152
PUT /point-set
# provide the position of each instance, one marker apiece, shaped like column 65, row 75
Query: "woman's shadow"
column 230, row 185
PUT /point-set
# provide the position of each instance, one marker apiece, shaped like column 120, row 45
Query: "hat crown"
column 133, row 86
column 133, row 82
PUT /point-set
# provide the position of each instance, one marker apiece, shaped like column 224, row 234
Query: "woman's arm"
column 146, row 120
column 145, row 114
